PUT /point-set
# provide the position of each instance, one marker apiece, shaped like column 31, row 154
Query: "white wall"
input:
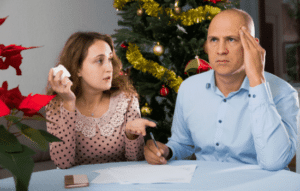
column 48, row 23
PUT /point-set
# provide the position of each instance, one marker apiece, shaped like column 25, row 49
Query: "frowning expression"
column 224, row 46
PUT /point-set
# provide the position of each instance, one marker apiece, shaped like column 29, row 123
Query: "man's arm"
column 274, row 126
column 181, row 137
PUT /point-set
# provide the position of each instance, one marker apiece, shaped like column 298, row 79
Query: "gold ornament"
column 177, row 9
column 146, row 110
column 158, row 49
column 136, row 59
column 191, row 17
column 140, row 12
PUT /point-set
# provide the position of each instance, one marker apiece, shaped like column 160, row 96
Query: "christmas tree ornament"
column 124, row 45
column 140, row 12
column 177, row 9
column 164, row 91
column 146, row 110
column 158, row 49
column 196, row 66
column 136, row 59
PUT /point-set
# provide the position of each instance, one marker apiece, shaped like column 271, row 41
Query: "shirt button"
column 224, row 100
column 254, row 96
column 217, row 144
column 249, row 95
column 207, row 85
column 220, row 121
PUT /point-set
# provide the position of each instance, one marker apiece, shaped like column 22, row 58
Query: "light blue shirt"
column 254, row 125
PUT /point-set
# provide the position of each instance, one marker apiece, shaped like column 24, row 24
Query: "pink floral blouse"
column 88, row 140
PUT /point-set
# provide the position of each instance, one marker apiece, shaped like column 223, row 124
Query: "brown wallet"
column 76, row 180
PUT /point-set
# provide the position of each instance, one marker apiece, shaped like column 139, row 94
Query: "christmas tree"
column 159, row 45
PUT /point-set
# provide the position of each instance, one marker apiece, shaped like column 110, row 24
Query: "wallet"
column 76, row 180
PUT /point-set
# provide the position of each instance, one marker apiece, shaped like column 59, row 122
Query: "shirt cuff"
column 260, row 94
column 173, row 153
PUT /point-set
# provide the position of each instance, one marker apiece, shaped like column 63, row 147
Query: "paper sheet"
column 146, row 173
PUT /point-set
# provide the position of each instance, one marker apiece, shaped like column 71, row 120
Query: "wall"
column 48, row 23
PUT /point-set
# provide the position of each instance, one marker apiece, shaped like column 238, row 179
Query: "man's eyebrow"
column 230, row 36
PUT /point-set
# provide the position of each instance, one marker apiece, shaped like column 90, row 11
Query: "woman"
column 94, row 110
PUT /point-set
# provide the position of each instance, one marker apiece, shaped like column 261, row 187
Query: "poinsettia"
column 4, row 109
column 12, row 55
column 12, row 152
column 214, row 1
column 2, row 20
column 32, row 104
column 11, row 98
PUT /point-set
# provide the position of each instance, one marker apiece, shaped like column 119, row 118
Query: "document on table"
column 146, row 173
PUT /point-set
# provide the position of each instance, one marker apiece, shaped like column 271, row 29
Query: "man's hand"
column 154, row 155
column 137, row 127
column 254, row 58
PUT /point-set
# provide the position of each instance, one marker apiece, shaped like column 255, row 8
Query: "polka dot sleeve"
column 62, row 153
column 134, row 149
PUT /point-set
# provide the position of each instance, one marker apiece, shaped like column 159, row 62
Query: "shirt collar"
column 212, row 84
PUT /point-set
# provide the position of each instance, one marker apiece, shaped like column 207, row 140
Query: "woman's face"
column 97, row 70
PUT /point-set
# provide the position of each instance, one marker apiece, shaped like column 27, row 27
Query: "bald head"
column 236, row 15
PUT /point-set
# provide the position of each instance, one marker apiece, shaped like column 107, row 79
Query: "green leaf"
column 20, row 165
column 49, row 137
column 34, row 135
column 12, row 118
column 37, row 117
column 8, row 142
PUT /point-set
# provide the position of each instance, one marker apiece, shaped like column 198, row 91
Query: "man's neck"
column 228, row 84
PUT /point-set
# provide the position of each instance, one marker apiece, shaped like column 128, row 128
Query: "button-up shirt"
column 254, row 125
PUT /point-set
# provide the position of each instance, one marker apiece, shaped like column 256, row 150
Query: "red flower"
column 4, row 110
column 32, row 104
column 214, row 1
column 2, row 20
column 12, row 54
column 11, row 98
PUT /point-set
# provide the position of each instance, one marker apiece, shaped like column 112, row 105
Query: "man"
column 236, row 112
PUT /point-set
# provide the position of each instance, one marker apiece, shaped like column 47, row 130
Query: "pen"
column 152, row 137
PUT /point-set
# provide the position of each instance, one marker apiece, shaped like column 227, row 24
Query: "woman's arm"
column 134, row 149
column 62, row 153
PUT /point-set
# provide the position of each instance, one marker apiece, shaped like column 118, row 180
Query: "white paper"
column 138, row 174
column 65, row 71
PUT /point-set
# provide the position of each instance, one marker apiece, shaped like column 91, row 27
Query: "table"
column 216, row 176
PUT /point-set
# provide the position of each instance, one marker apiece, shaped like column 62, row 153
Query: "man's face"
column 224, row 46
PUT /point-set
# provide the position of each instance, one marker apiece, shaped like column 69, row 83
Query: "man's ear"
column 205, row 47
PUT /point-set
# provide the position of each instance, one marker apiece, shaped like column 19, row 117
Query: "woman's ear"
column 79, row 73
column 257, row 40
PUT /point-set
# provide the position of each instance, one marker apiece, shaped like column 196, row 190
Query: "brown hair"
column 74, row 53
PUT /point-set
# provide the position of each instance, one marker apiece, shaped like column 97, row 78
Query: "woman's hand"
column 137, row 127
column 63, row 89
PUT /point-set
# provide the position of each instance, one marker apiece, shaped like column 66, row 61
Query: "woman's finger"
column 50, row 77
column 65, row 81
column 58, row 76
